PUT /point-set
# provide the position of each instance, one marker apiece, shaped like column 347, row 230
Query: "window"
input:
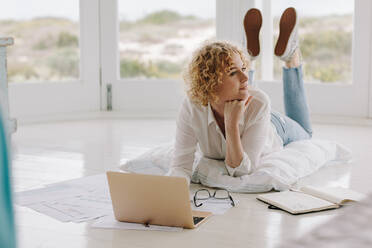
column 325, row 30
column 157, row 37
column 326, row 34
column 104, row 34
column 46, row 38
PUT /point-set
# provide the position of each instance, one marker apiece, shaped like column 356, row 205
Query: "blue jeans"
column 295, row 125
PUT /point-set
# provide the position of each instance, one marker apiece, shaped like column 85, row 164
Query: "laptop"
column 155, row 200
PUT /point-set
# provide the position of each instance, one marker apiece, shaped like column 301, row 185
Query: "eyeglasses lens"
column 221, row 194
column 202, row 195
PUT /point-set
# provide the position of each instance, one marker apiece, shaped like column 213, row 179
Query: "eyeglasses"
column 204, row 194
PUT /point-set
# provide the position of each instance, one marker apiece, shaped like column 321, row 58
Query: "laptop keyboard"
column 197, row 219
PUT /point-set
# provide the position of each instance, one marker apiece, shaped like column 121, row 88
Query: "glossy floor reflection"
column 53, row 152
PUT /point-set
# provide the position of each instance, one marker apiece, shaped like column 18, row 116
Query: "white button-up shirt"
column 197, row 129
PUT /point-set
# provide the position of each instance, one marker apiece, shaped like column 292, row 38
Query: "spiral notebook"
column 310, row 199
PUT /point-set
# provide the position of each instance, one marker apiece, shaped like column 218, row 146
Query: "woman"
column 226, row 116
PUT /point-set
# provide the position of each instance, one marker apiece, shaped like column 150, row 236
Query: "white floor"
column 53, row 152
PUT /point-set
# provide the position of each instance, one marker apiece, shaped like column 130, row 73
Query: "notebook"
column 310, row 199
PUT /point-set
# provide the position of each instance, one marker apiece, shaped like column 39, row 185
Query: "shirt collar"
column 212, row 119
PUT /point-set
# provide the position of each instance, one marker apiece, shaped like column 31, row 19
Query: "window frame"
column 130, row 97
column 30, row 101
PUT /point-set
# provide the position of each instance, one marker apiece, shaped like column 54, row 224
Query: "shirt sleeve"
column 185, row 144
column 253, row 137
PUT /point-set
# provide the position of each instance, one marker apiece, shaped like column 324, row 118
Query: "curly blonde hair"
column 205, row 70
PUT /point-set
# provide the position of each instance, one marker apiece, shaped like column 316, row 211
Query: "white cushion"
column 278, row 170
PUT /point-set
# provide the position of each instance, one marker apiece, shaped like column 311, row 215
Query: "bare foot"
column 295, row 60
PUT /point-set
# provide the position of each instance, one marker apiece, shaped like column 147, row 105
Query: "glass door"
column 144, row 50
column 53, row 66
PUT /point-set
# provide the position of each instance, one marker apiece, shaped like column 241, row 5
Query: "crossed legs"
column 295, row 125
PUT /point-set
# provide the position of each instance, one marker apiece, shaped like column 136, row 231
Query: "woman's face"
column 234, row 83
